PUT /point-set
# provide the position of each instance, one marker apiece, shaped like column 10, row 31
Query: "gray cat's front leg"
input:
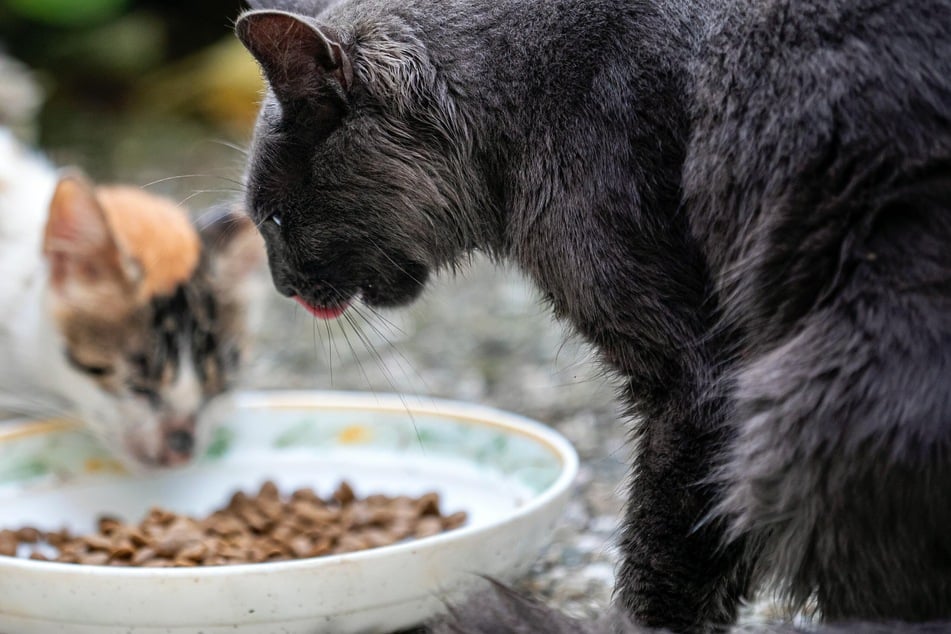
column 675, row 572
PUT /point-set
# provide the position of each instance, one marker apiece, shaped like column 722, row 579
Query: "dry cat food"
column 250, row 529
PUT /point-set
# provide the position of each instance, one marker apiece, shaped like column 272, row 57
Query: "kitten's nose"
column 180, row 441
column 179, row 445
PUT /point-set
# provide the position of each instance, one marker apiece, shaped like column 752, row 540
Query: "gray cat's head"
column 150, row 314
column 358, row 173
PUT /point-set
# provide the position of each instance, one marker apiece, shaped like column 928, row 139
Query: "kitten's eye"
column 276, row 219
column 91, row 370
column 147, row 392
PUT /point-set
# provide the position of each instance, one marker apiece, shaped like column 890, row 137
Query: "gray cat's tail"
column 501, row 610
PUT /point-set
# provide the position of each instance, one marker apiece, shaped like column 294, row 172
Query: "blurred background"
column 158, row 93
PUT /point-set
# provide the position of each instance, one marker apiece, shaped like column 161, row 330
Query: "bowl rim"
column 471, row 413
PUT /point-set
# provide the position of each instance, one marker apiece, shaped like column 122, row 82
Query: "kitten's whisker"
column 27, row 406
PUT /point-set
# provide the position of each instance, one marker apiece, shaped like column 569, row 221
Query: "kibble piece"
column 428, row 526
column 158, row 563
column 182, row 562
column 375, row 537
column 272, row 509
column 122, row 549
column 143, row 556
column 301, row 546
column 344, row 494
column 238, row 500
column 306, row 495
column 350, row 542
column 98, row 558
column 322, row 546
column 57, row 538
column 136, row 536
column 169, row 545
column 160, row 516
column 8, row 543
column 193, row 551
column 226, row 525
column 95, row 541
column 269, row 491
column 428, row 504
column 108, row 525
column 455, row 520
column 28, row 535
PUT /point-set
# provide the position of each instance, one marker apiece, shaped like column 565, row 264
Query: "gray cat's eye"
column 276, row 219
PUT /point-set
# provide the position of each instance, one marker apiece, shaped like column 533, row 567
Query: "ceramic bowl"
column 511, row 475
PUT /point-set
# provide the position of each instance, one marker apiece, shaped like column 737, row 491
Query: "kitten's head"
column 151, row 315
column 354, row 175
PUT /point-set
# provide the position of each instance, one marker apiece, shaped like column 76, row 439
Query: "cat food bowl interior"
column 510, row 475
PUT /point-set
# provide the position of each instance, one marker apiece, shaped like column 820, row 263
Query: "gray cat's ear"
column 300, row 58
column 306, row 7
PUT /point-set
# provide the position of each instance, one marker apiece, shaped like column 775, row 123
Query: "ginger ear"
column 86, row 263
column 301, row 59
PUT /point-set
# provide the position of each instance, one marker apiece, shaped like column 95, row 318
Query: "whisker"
column 171, row 178
column 356, row 358
column 207, row 191
column 26, row 405
column 330, row 351
column 228, row 144
column 393, row 262
column 406, row 369
column 389, row 379
column 386, row 321
column 316, row 335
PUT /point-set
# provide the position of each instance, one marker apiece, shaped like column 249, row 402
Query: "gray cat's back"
column 797, row 105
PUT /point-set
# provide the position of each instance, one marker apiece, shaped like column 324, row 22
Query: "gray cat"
column 745, row 206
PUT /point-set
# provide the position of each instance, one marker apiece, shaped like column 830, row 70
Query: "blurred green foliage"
column 66, row 12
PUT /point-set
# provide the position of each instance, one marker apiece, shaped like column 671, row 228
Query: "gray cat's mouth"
column 323, row 312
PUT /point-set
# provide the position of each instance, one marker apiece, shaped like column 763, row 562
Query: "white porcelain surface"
column 510, row 474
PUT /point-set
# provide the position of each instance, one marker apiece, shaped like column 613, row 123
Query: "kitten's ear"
column 300, row 58
column 86, row 263
column 234, row 245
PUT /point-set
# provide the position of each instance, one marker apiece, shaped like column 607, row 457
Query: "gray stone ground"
column 482, row 336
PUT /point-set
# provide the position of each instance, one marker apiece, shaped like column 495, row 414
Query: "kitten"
column 113, row 310
column 745, row 206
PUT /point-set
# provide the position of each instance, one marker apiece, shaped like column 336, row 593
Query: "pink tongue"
column 322, row 313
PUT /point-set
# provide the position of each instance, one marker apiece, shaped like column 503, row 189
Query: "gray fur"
column 745, row 206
